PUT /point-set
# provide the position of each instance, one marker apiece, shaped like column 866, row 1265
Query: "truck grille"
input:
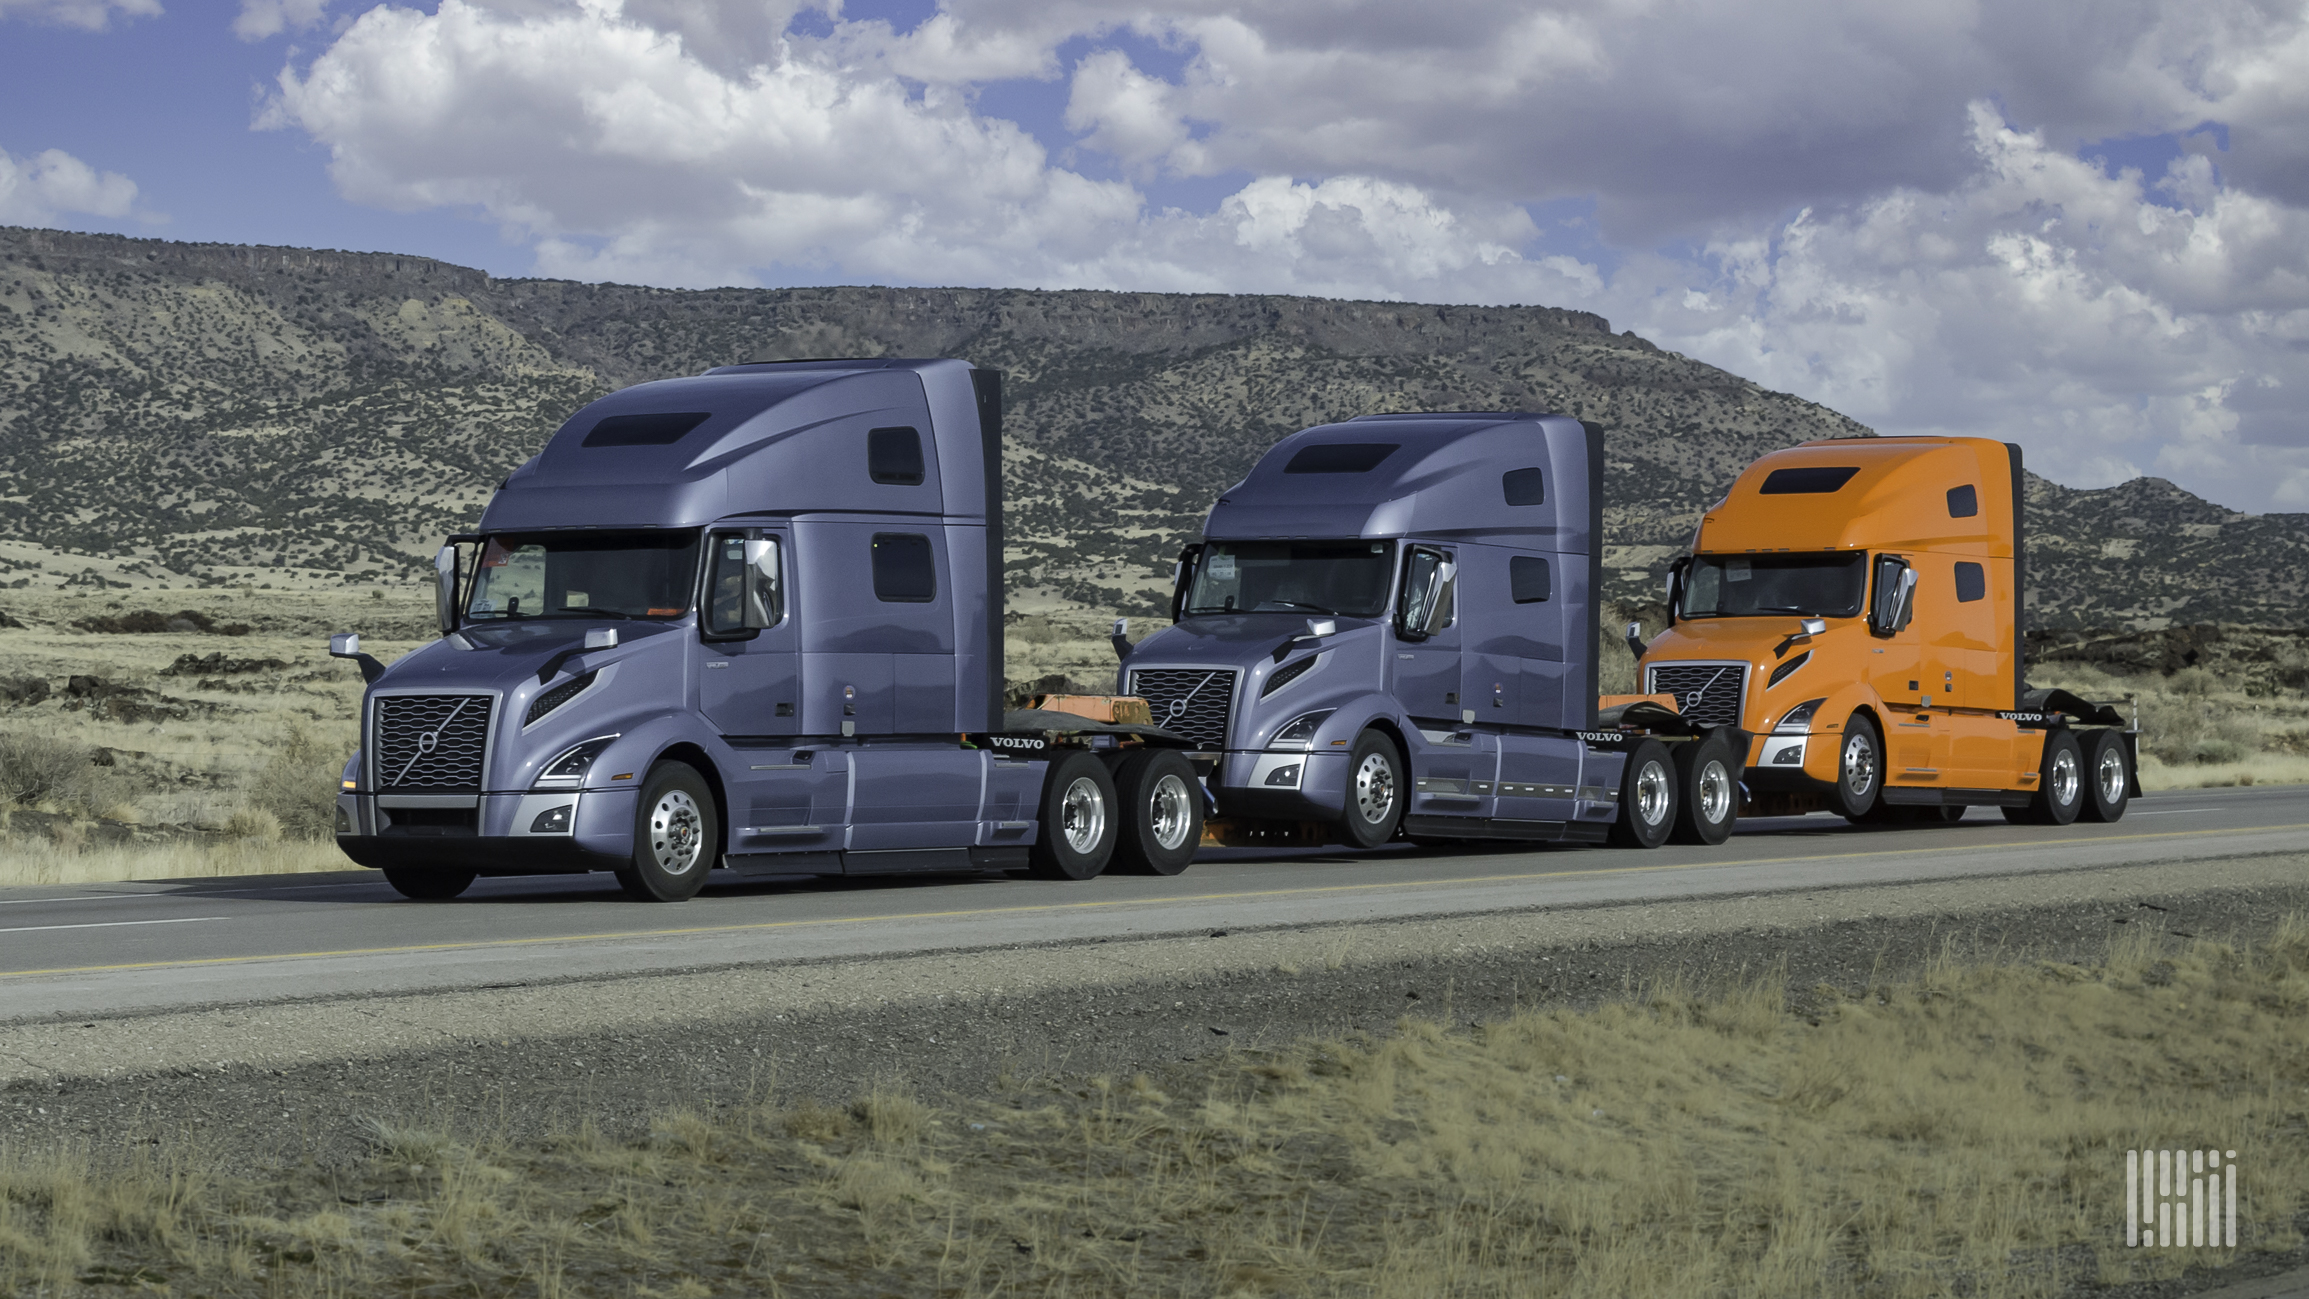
column 431, row 741
column 1192, row 702
column 1711, row 694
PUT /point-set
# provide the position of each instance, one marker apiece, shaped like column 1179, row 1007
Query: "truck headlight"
column 1299, row 732
column 570, row 765
column 1799, row 718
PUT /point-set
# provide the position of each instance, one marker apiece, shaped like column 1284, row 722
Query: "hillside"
column 187, row 414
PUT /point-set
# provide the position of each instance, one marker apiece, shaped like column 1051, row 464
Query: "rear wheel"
column 1647, row 797
column 673, row 836
column 1708, row 784
column 1374, row 792
column 428, row 885
column 1859, row 769
column 1075, row 838
column 2060, row 783
column 2108, row 776
column 1162, row 805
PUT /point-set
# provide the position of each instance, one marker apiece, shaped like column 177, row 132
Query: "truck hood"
column 508, row 657
column 1243, row 640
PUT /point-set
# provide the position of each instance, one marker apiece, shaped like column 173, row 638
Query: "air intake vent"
column 1195, row 703
column 1711, row 694
column 1287, row 674
column 431, row 742
column 556, row 697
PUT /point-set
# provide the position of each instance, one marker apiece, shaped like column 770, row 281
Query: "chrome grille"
column 431, row 741
column 1711, row 694
column 1191, row 702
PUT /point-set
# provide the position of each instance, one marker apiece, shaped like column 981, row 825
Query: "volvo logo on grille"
column 429, row 741
column 1693, row 699
column 1178, row 706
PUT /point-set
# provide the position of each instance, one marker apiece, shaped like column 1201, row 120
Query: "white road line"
column 2178, row 811
column 77, row 897
column 113, row 924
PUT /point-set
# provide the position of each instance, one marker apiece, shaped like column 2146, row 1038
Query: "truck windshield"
column 585, row 575
column 1338, row 577
column 1741, row 586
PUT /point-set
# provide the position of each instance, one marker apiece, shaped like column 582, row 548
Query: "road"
column 135, row 947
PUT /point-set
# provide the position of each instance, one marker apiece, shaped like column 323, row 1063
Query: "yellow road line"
column 1033, row 908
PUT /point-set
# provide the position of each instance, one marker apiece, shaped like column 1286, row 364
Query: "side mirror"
column 1439, row 592
column 1815, row 626
column 1318, row 628
column 347, row 645
column 765, row 604
column 1676, row 587
column 1120, row 638
column 445, row 588
column 601, row 638
column 1635, row 640
column 1906, row 608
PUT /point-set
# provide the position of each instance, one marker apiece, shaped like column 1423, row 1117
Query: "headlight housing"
column 1299, row 732
column 568, row 767
column 1799, row 719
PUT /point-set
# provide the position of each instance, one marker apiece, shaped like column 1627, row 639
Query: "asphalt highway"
column 135, row 947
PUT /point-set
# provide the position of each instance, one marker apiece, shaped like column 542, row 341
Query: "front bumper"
column 522, row 833
column 1288, row 784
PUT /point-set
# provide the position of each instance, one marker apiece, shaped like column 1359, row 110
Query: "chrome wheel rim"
column 1652, row 796
column 2112, row 774
column 1169, row 813
column 676, row 832
column 1375, row 788
column 1859, row 765
column 1082, row 815
column 2065, row 777
column 1715, row 793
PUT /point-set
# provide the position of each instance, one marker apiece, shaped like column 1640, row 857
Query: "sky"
column 2082, row 226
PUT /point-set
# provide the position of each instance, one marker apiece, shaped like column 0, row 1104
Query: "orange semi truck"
column 1855, row 606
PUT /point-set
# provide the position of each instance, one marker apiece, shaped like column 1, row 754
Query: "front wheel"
column 1708, row 782
column 1375, row 794
column 673, row 836
column 1162, row 805
column 422, row 885
column 1075, row 838
column 1859, row 769
column 2109, row 777
column 1647, row 797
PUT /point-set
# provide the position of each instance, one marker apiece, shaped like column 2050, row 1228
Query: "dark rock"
column 23, row 690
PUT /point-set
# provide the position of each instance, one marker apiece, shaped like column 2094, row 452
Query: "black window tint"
column 1806, row 480
column 1524, row 487
column 1971, row 580
column 894, row 455
column 1340, row 458
column 1528, row 580
column 902, row 568
column 644, row 430
column 1963, row 502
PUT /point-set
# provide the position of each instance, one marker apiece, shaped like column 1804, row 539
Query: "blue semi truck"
column 753, row 620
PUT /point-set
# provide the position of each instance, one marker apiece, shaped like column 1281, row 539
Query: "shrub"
column 61, row 773
column 298, row 787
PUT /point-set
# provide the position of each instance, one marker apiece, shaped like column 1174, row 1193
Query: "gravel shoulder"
column 302, row 1080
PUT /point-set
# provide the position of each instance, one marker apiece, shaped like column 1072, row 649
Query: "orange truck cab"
column 1854, row 605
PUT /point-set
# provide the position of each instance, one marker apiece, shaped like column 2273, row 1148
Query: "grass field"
column 1962, row 1133
column 130, row 754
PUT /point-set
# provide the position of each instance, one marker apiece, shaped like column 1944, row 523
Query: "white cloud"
column 262, row 18
column 92, row 15
column 42, row 189
column 1815, row 193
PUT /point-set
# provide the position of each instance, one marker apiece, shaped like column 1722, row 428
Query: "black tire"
column 1945, row 814
column 675, row 843
column 2060, row 781
column 1075, row 838
column 1162, row 813
column 2108, row 774
column 1648, row 797
column 421, row 884
column 1859, row 769
column 1707, row 791
column 1376, row 792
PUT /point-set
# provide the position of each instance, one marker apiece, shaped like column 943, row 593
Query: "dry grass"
column 1960, row 1133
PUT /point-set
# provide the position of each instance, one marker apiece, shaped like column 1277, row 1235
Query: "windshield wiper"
column 594, row 613
column 1295, row 604
column 1780, row 608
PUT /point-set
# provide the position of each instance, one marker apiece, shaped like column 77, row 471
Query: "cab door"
column 1424, row 672
column 749, row 668
column 1915, row 747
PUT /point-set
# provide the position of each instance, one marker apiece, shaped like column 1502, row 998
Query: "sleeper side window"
column 894, row 456
column 1528, row 579
column 1971, row 583
column 904, row 572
